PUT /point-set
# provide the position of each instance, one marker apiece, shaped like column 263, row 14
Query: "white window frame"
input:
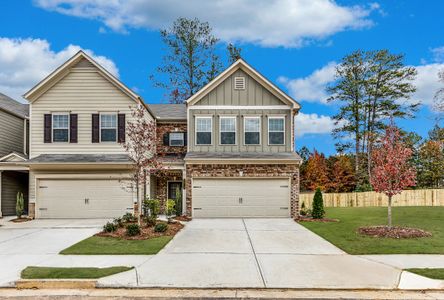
column 220, row 130
column 52, row 126
column 260, row 129
column 183, row 139
column 100, row 126
column 195, row 130
column 268, row 129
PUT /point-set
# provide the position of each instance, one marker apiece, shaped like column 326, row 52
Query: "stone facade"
column 31, row 210
column 162, row 183
column 248, row 170
column 163, row 128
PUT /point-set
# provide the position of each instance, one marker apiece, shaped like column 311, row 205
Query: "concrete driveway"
column 254, row 253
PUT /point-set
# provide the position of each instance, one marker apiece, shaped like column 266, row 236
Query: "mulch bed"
column 145, row 232
column 182, row 218
column 20, row 220
column 394, row 232
column 310, row 219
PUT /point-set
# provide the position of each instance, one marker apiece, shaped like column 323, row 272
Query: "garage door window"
column 276, row 130
column 204, row 126
column 252, row 128
column 60, row 127
column 108, row 127
column 228, row 130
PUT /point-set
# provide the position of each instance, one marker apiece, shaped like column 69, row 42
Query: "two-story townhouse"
column 13, row 151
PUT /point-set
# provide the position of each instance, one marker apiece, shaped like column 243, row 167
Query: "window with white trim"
column 204, row 128
column 276, row 130
column 227, row 130
column 252, row 130
column 60, row 127
column 176, row 139
column 108, row 127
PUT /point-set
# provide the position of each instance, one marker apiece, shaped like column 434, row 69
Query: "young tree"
column 140, row 144
column 391, row 171
column 318, row 205
column 431, row 164
column 316, row 172
column 234, row 53
column 190, row 60
column 342, row 175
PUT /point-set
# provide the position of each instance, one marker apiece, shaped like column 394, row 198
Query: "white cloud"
column 438, row 54
column 24, row 62
column 312, row 124
column 311, row 88
column 289, row 23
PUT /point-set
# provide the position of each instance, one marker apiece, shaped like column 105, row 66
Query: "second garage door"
column 241, row 198
column 93, row 198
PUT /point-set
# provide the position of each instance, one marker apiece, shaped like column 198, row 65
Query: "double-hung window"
column 204, row 128
column 276, row 130
column 227, row 130
column 176, row 139
column 108, row 127
column 252, row 130
column 60, row 127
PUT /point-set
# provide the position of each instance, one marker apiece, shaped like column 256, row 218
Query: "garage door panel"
column 70, row 198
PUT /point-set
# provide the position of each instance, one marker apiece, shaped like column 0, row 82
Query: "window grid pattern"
column 276, row 129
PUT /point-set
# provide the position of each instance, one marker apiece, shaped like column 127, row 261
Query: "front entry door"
column 173, row 186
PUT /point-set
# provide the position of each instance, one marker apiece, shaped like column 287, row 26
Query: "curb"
column 55, row 284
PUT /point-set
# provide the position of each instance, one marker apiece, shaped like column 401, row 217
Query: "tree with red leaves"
column 392, row 172
column 140, row 144
column 315, row 173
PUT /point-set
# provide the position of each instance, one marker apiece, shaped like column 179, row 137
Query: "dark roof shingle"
column 169, row 111
column 81, row 158
column 16, row 108
column 243, row 155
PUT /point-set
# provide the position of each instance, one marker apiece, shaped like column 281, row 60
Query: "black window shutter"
column 166, row 139
column 47, row 128
column 73, row 128
column 121, row 128
column 95, row 128
column 185, row 139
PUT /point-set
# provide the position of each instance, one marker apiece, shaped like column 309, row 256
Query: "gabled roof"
column 14, row 157
column 244, row 66
column 169, row 112
column 34, row 93
column 13, row 107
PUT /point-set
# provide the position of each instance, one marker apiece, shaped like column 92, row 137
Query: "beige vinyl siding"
column 253, row 95
column 82, row 91
column 11, row 133
column 240, row 114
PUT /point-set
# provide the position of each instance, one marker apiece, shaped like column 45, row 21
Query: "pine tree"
column 318, row 205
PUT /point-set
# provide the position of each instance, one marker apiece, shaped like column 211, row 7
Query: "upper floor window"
column 252, row 130
column 108, row 127
column 176, row 139
column 204, row 128
column 60, row 127
column 276, row 130
column 227, row 130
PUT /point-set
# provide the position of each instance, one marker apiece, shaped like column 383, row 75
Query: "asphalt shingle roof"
column 243, row 155
column 16, row 108
column 169, row 111
column 81, row 158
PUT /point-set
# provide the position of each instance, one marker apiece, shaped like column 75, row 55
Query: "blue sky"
column 294, row 43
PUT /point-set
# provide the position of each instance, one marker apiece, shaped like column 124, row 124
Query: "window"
column 204, row 127
column 176, row 139
column 239, row 83
column 60, row 127
column 108, row 127
column 276, row 130
column 252, row 130
column 227, row 130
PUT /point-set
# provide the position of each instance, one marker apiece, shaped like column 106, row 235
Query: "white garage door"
column 241, row 198
column 93, row 198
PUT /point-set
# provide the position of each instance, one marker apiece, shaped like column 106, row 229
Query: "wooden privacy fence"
column 429, row 197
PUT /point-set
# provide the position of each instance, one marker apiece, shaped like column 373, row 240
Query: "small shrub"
column 19, row 205
column 170, row 209
column 161, row 227
column 151, row 207
column 118, row 222
column 132, row 230
column 178, row 206
column 150, row 221
column 128, row 218
column 109, row 227
column 303, row 212
column 318, row 205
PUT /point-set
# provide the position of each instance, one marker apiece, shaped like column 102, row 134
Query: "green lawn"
column 96, row 245
column 69, row 273
column 431, row 273
column 344, row 233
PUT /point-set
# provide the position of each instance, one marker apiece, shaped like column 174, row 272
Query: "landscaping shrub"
column 178, row 206
column 19, row 205
column 150, row 221
column 128, row 218
column 169, row 209
column 318, row 205
column 161, row 227
column 132, row 230
column 151, row 207
column 118, row 222
column 109, row 227
column 303, row 212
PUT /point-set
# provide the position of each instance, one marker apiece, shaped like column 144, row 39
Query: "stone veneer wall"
column 249, row 170
column 161, row 185
column 163, row 128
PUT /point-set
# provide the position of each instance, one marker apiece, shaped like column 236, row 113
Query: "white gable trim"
column 241, row 64
column 12, row 157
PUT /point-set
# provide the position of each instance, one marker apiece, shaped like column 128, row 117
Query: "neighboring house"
column 13, row 150
column 227, row 152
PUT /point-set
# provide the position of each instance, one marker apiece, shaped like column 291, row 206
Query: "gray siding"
column 12, row 183
column 11, row 133
column 240, row 114
column 254, row 93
